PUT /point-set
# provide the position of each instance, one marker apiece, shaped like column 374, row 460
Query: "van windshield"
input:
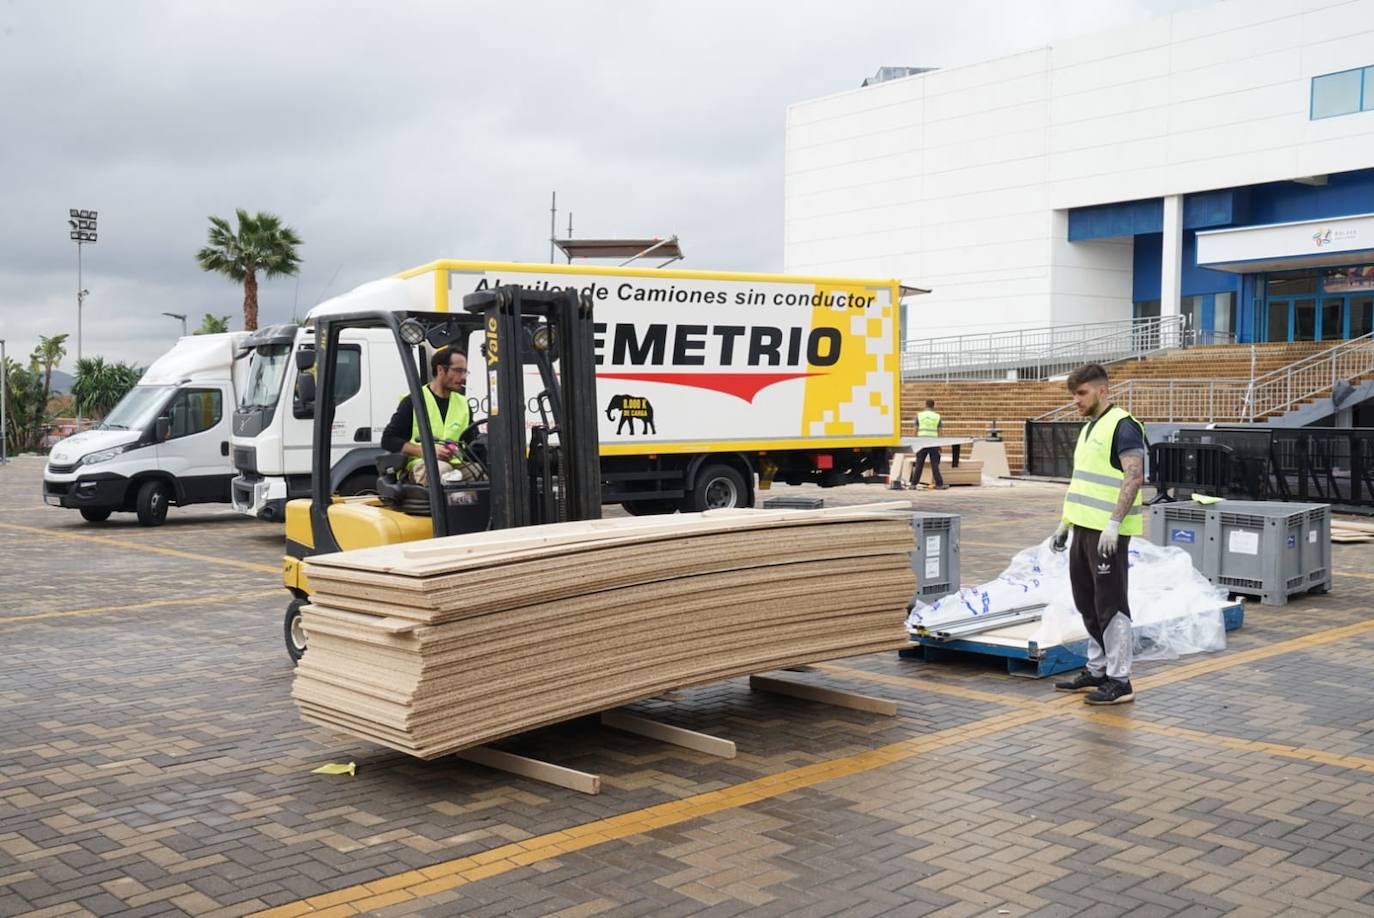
column 137, row 409
column 266, row 373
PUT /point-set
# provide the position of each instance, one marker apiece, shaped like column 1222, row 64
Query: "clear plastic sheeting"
column 1174, row 609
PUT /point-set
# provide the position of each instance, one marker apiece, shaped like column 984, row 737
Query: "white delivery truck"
column 709, row 384
column 166, row 442
column 270, row 445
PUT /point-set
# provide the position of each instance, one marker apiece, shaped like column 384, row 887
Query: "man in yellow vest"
column 446, row 403
column 1102, row 510
column 928, row 425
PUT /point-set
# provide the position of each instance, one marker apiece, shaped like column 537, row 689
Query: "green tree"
column 100, row 385
column 261, row 243
column 26, row 413
column 49, row 353
column 212, row 325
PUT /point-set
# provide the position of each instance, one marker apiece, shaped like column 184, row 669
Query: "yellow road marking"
column 155, row 549
column 151, row 604
column 458, row 872
column 461, row 871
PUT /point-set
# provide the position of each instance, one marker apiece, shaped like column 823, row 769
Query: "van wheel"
column 152, row 503
column 295, row 634
column 718, row 487
column 95, row 514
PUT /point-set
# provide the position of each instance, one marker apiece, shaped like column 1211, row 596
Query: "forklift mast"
column 557, row 478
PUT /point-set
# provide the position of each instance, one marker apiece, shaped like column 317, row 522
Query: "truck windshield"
column 137, row 409
column 266, row 373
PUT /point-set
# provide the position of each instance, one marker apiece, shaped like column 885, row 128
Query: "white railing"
column 1040, row 353
column 1237, row 400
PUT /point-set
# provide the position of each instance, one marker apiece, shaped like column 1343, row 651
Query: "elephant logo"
column 632, row 408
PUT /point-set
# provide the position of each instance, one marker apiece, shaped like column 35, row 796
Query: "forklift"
column 547, row 471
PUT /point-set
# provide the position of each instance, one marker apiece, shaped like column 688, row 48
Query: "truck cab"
column 270, row 443
column 165, row 443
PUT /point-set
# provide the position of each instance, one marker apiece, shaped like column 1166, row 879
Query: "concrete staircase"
column 970, row 408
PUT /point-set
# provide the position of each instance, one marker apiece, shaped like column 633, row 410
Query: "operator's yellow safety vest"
column 1096, row 484
column 927, row 424
column 449, row 427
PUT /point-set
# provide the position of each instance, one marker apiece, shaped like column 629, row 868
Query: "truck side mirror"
column 304, row 404
column 305, row 358
column 162, row 429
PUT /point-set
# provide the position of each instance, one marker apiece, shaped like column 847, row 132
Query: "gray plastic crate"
column 1269, row 549
column 936, row 558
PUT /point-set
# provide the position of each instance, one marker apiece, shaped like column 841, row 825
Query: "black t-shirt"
column 402, row 423
column 1128, row 436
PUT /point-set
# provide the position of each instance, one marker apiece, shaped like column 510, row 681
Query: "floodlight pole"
column 553, row 217
column 178, row 315
column 83, row 230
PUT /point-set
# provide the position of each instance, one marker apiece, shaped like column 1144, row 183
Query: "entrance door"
column 1277, row 326
column 1305, row 320
column 1332, row 327
column 1361, row 316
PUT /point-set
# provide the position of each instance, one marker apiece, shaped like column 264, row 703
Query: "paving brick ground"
column 151, row 763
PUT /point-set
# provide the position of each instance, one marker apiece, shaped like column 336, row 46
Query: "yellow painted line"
column 154, row 549
column 458, row 872
column 461, row 871
column 151, row 604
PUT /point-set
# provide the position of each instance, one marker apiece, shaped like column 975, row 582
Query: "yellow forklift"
column 547, row 471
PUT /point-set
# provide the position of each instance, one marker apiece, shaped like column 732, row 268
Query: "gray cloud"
column 392, row 134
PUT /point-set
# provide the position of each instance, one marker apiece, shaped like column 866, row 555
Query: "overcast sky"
column 389, row 134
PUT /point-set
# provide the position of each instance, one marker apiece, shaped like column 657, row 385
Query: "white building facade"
column 1217, row 163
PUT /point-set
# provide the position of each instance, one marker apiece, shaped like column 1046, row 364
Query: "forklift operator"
column 446, row 402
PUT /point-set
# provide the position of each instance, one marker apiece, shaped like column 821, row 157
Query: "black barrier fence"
column 1318, row 464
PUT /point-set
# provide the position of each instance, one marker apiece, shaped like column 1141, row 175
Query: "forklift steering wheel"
column 471, row 433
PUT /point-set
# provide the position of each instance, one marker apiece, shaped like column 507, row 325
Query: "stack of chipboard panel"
column 433, row 647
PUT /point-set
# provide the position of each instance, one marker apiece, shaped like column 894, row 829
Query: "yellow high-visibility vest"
column 449, row 427
column 1096, row 484
column 927, row 424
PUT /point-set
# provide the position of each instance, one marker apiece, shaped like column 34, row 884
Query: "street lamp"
column 178, row 315
column 82, row 223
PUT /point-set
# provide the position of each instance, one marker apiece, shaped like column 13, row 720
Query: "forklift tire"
column 717, row 487
column 295, row 635
column 95, row 514
column 358, row 483
column 649, row 507
column 152, row 503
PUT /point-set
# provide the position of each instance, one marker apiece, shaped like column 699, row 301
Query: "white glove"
column 1061, row 537
column 1106, row 543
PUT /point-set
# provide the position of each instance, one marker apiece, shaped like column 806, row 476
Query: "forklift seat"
column 395, row 491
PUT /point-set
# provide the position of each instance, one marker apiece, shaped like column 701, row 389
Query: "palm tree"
column 212, row 325
column 99, row 385
column 261, row 243
column 48, row 355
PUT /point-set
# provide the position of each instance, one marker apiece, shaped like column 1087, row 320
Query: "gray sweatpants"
column 1099, row 593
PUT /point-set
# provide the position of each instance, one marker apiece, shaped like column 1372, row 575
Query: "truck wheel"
column 359, row 483
column 718, row 487
column 295, row 634
column 95, row 514
column 649, row 507
column 152, row 503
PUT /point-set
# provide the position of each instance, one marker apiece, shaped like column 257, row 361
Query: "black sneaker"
column 1083, row 682
column 1113, row 691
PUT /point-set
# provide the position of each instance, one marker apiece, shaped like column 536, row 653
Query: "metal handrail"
column 1045, row 352
column 1238, row 400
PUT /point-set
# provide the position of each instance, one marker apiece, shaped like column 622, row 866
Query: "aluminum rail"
column 956, row 628
column 1043, row 352
column 1238, row 400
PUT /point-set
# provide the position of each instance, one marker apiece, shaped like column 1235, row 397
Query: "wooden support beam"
column 666, row 733
column 533, row 769
column 823, row 695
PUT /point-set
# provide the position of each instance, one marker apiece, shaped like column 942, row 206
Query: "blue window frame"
column 1342, row 93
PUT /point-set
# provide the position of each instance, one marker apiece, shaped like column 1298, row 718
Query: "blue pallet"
column 1032, row 661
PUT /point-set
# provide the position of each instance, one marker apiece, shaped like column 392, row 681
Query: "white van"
column 166, row 442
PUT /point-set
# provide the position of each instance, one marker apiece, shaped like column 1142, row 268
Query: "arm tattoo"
column 1133, row 466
